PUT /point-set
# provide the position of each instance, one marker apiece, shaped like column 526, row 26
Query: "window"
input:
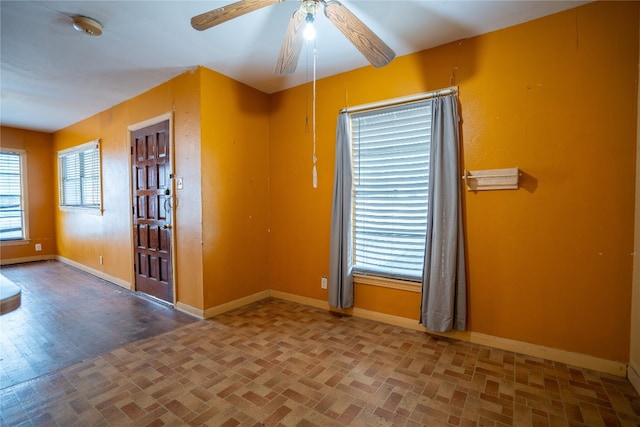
column 13, row 223
column 79, row 172
column 391, row 189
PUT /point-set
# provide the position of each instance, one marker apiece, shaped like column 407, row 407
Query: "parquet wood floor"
column 276, row 363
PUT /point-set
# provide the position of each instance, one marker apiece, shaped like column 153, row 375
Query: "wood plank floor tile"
column 67, row 316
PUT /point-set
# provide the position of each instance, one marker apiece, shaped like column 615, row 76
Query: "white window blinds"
column 79, row 171
column 391, row 184
column 11, row 197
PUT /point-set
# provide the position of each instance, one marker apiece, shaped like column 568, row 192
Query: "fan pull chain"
column 306, row 96
column 315, row 159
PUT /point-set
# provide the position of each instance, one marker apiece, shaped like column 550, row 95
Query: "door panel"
column 152, row 211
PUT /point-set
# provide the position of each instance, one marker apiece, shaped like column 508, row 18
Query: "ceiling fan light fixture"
column 87, row 25
column 309, row 32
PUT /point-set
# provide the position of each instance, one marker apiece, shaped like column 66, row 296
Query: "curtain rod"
column 402, row 100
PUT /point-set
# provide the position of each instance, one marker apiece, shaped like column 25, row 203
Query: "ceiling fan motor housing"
column 309, row 6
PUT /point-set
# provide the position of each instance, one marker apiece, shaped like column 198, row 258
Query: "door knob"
column 166, row 227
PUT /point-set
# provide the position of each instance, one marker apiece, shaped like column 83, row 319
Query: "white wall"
column 634, row 357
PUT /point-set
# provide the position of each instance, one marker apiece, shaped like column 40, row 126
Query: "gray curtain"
column 444, row 297
column 340, row 268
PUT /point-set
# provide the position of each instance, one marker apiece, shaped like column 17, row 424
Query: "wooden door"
column 150, row 160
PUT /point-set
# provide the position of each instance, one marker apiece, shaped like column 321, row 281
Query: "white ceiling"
column 53, row 76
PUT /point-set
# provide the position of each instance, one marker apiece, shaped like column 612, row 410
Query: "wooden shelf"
column 492, row 179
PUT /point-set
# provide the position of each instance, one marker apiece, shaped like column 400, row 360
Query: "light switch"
column 179, row 183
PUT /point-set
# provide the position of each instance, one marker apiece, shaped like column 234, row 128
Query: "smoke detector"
column 87, row 25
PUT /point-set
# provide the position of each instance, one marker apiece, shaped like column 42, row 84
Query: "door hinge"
column 132, row 150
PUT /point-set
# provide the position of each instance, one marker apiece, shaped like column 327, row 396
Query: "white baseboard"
column 405, row 322
column 571, row 358
column 633, row 374
column 109, row 278
column 367, row 314
column 535, row 350
column 557, row 355
column 301, row 300
column 231, row 305
column 8, row 261
column 189, row 310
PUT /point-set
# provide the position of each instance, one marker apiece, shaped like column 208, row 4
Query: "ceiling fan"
column 370, row 45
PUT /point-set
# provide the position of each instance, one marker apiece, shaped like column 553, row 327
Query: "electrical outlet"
column 101, row 259
column 323, row 282
column 38, row 247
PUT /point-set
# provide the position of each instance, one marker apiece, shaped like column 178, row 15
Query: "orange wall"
column 84, row 237
column 235, row 176
column 40, row 192
column 634, row 354
column 220, row 152
column 548, row 264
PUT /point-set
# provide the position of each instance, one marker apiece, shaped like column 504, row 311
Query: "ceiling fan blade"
column 224, row 14
column 370, row 45
column 291, row 45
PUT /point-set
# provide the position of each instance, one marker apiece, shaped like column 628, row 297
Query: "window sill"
column 88, row 211
column 15, row 242
column 384, row 282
